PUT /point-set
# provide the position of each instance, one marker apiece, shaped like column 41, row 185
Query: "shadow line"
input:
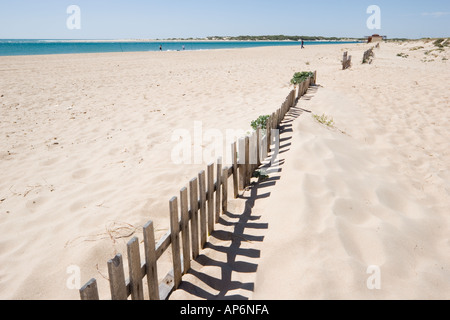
column 246, row 222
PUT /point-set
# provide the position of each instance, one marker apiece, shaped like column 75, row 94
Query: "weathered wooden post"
column 258, row 147
column 117, row 278
column 225, row 191
column 193, row 186
column 203, row 222
column 253, row 152
column 242, row 166
column 268, row 134
column 247, row 162
column 134, row 265
column 151, row 260
column 346, row 61
column 185, row 236
column 235, row 170
column 89, row 291
column 175, row 239
column 210, row 198
column 218, row 189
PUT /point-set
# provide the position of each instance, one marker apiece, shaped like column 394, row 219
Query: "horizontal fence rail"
column 192, row 217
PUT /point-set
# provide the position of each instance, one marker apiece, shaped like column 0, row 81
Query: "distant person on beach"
column 160, row 48
column 183, row 48
column 303, row 47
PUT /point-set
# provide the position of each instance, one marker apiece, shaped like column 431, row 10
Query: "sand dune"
column 85, row 159
column 373, row 190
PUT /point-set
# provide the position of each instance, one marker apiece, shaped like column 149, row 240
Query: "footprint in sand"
column 50, row 162
column 313, row 185
column 80, row 174
column 391, row 199
column 400, row 203
column 77, row 206
column 34, row 204
column 351, row 211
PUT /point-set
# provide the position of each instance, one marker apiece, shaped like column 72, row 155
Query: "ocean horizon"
column 25, row 47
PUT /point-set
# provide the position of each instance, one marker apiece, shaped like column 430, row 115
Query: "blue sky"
column 147, row 19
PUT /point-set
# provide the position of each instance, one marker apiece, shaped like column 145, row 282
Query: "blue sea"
column 45, row 47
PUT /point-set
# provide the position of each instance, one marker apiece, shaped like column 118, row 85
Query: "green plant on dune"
column 261, row 123
column 403, row 55
column 261, row 175
column 325, row 120
column 441, row 43
column 299, row 77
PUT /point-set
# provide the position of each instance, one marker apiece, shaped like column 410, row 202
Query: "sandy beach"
column 85, row 162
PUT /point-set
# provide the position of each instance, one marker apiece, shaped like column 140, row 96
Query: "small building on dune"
column 375, row 38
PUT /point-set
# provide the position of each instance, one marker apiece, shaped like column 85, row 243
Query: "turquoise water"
column 44, row 47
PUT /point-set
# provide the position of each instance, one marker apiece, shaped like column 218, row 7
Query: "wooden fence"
column 368, row 55
column 346, row 61
column 200, row 209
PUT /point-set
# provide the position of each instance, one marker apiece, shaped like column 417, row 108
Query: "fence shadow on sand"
column 226, row 268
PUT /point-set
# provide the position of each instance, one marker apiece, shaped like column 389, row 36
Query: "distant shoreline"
column 161, row 40
column 45, row 47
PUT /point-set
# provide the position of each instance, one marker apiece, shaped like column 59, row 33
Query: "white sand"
column 85, row 148
column 377, row 195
